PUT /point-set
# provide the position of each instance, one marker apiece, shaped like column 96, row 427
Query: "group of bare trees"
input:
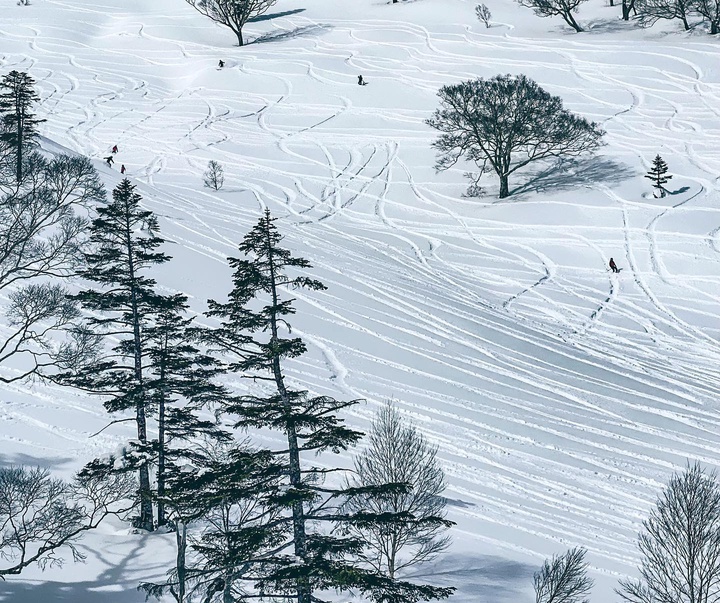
column 43, row 206
column 679, row 545
column 647, row 12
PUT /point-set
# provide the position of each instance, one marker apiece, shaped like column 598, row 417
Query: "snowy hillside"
column 561, row 396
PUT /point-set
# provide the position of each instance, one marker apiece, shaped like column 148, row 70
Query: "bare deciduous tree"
column 483, row 14
column 555, row 8
column 399, row 454
column 214, row 176
column 41, row 516
column 680, row 544
column 233, row 14
column 505, row 123
column 710, row 11
column 563, row 579
column 651, row 11
column 41, row 237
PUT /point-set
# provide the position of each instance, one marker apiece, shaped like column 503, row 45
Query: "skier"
column 613, row 266
column 361, row 81
column 114, row 149
column 221, row 64
column 122, row 168
column 109, row 160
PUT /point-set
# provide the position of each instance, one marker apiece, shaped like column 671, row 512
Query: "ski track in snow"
column 561, row 396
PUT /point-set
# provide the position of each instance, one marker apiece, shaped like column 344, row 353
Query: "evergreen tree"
column 657, row 173
column 124, row 243
column 253, row 323
column 19, row 124
column 179, row 382
column 231, row 494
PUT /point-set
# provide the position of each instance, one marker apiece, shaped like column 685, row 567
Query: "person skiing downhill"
column 613, row 266
column 361, row 81
column 122, row 168
column 114, row 149
column 109, row 160
column 221, row 64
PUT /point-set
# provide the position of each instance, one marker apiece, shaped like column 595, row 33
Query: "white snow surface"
column 561, row 396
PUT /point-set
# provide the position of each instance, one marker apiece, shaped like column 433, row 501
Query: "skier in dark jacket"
column 221, row 64
column 361, row 81
column 114, row 149
column 109, row 160
column 122, row 168
column 613, row 266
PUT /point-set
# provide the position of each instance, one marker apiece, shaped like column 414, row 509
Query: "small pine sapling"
column 214, row 176
column 658, row 175
column 483, row 14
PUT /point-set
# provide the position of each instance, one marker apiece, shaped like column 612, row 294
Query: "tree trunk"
column 239, row 35
column 627, row 7
column 181, row 538
column 146, row 510
column 686, row 25
column 19, row 154
column 299, row 535
column 570, row 20
column 161, row 521
column 504, row 188
column 714, row 29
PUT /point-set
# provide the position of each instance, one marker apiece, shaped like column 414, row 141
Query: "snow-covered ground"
column 561, row 396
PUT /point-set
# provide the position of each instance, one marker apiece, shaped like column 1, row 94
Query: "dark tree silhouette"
column 680, row 544
column 505, row 123
column 233, row 14
column 254, row 333
column 19, row 124
column 552, row 8
column 563, row 579
column 651, row 11
column 124, row 242
column 658, row 174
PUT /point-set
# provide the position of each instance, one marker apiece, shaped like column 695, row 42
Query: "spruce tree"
column 125, row 243
column 179, row 381
column 658, row 174
column 254, row 323
column 19, row 124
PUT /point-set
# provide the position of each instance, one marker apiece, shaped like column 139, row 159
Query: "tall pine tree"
column 254, row 328
column 125, row 241
column 19, row 124
column 179, row 381
column 658, row 174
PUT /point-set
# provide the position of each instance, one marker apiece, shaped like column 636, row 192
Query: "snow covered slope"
column 561, row 396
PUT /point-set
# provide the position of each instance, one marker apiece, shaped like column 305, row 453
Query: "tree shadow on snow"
column 481, row 577
column 567, row 174
column 32, row 461
column 117, row 583
column 615, row 25
column 269, row 16
column 284, row 34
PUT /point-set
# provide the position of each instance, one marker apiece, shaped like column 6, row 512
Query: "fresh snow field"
column 561, row 396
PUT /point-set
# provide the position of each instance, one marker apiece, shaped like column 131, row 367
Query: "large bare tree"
column 553, row 8
column 710, row 11
column 651, row 11
column 232, row 13
column 505, row 123
column 680, row 544
column 42, row 230
column 40, row 516
column 399, row 454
